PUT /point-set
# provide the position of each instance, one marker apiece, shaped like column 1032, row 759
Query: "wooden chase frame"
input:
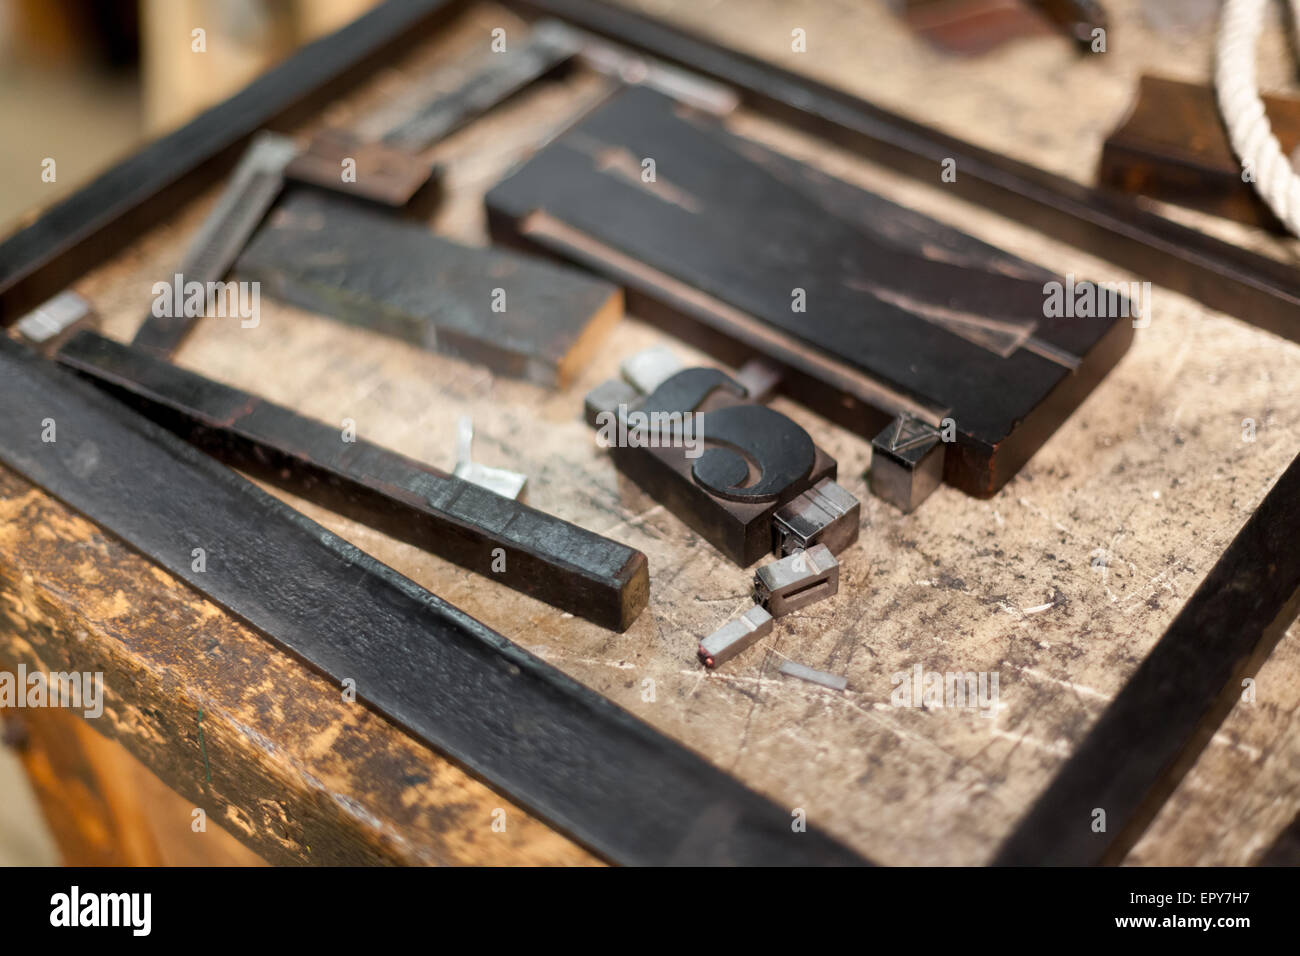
column 1187, row 683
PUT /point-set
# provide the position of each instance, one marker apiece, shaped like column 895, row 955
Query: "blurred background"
column 107, row 75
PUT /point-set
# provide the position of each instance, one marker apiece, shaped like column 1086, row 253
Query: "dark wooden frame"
column 1229, row 625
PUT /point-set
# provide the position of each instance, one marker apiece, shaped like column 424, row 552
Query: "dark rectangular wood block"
column 739, row 529
column 539, row 554
column 725, row 239
column 518, row 315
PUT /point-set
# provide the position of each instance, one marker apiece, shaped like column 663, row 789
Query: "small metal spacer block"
column 54, row 321
column 906, row 462
column 501, row 481
column 734, row 636
column 648, row 369
column 607, row 397
column 760, row 378
column 797, row 581
column 824, row 514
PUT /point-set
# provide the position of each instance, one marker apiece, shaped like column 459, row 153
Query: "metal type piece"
column 907, row 461
column 735, row 636
column 824, row 514
column 501, row 481
column 803, row 578
column 722, row 464
column 47, row 327
column 813, row 676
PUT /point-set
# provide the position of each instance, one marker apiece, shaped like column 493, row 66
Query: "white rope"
column 1243, row 111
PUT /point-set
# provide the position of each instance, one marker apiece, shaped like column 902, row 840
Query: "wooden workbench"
column 1061, row 584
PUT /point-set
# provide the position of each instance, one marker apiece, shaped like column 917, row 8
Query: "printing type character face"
column 740, row 439
column 720, row 462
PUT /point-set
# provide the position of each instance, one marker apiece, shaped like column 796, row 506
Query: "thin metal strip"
column 252, row 190
column 500, row 77
column 563, row 752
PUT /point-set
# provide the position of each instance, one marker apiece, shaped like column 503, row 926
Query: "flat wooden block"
column 773, row 258
column 519, row 316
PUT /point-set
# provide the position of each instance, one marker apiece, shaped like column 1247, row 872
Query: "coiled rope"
column 1243, row 111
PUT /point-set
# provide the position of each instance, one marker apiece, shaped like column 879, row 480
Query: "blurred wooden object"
column 72, row 33
column 973, row 27
column 105, row 808
column 1173, row 146
column 183, row 73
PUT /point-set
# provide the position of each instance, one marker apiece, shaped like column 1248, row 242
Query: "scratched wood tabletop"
column 1060, row 584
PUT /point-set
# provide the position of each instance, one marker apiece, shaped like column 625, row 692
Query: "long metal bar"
column 563, row 752
column 1255, row 288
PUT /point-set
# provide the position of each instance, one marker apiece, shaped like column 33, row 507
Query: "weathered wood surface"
column 267, row 747
column 1060, row 584
column 566, row 566
column 1245, row 790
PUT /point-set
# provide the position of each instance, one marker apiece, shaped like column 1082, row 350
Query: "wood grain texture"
column 1241, row 796
column 1173, row 146
column 1060, row 584
column 350, row 788
column 780, row 460
column 106, row 808
column 1161, row 720
column 1217, row 274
